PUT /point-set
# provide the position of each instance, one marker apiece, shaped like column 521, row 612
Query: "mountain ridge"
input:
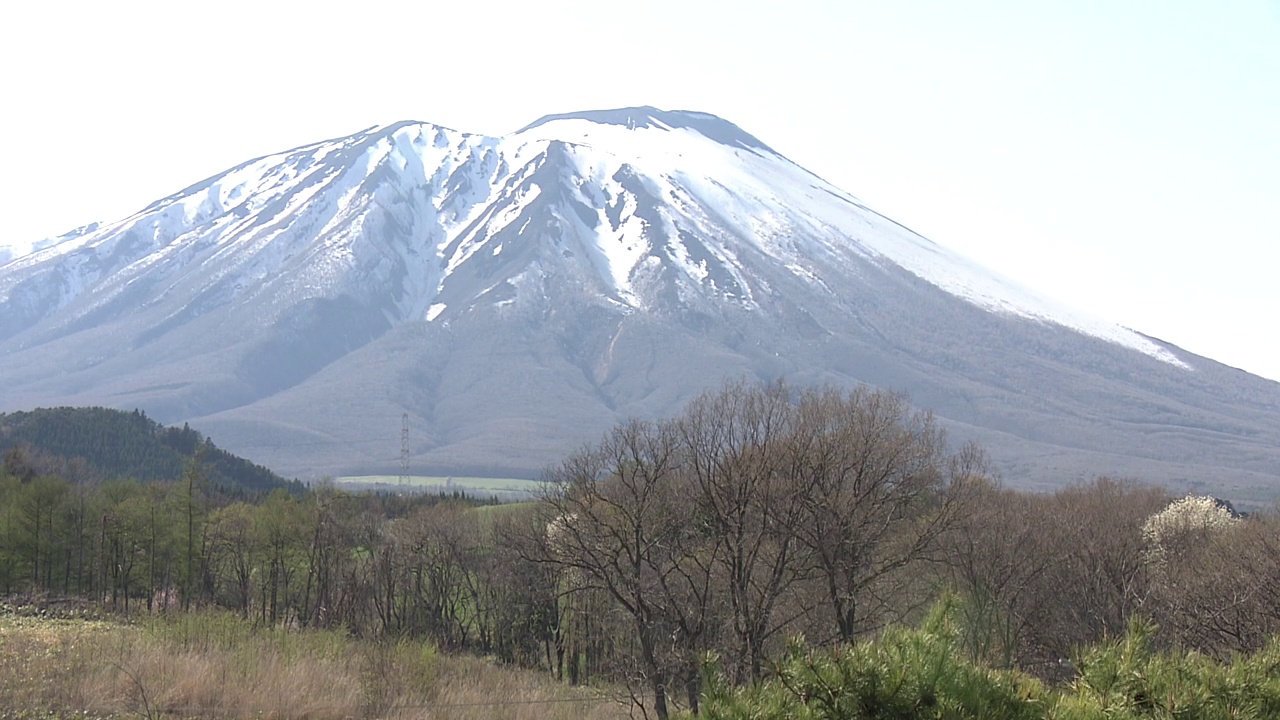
column 709, row 126
column 516, row 294
column 610, row 118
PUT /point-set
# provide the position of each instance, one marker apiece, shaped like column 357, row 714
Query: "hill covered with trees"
column 97, row 443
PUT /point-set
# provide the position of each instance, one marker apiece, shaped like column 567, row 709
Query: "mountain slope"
column 516, row 295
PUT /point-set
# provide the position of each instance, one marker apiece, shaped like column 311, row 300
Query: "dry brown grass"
column 213, row 666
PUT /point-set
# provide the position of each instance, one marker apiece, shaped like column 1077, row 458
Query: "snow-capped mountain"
column 515, row 295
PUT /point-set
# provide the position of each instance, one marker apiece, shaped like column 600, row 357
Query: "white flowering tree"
column 1214, row 577
column 1183, row 524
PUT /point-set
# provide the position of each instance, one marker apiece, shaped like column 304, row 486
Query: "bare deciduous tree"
column 736, row 443
column 874, row 475
column 619, row 511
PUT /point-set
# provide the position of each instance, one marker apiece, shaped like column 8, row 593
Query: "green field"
column 436, row 483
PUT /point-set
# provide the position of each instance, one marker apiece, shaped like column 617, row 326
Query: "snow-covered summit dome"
column 645, row 116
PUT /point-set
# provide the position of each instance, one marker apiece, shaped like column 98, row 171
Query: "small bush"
column 905, row 674
column 1125, row 679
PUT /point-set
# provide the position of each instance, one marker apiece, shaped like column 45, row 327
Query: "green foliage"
column 212, row 629
column 113, row 443
column 905, row 674
column 918, row 673
column 1126, row 679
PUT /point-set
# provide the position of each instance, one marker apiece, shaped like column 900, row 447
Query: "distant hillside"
column 111, row 443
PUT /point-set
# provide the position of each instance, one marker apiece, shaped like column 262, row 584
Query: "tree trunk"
column 693, row 686
column 657, row 678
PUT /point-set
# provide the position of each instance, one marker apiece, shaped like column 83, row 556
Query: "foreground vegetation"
column 72, row 662
column 55, row 663
column 924, row 674
column 759, row 515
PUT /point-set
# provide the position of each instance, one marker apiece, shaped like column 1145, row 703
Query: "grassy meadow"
column 214, row 665
column 505, row 488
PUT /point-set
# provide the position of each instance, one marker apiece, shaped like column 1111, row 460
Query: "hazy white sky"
column 1123, row 157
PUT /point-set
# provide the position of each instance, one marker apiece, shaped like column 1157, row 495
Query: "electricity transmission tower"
column 404, row 449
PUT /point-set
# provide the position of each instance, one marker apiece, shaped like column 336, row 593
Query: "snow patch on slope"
column 302, row 222
column 771, row 201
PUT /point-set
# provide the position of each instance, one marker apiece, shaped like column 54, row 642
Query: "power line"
column 404, row 448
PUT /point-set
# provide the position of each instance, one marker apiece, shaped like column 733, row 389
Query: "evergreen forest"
column 96, row 443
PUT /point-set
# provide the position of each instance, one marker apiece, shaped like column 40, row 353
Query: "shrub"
column 905, row 674
column 1125, row 679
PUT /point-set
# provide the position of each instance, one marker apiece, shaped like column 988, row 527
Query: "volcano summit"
column 516, row 295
